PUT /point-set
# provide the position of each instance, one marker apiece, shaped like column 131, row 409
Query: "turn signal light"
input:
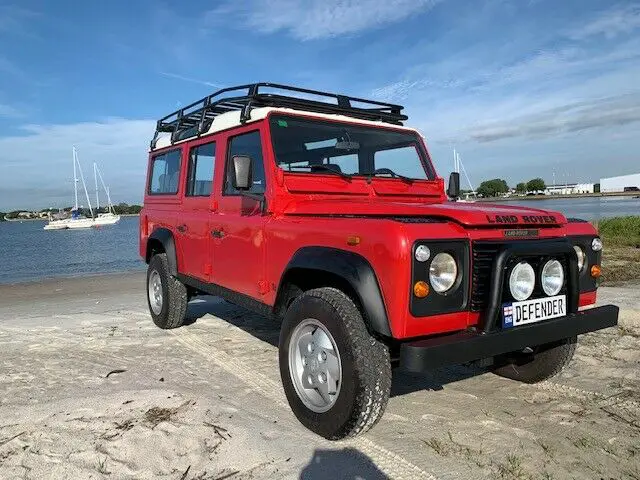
column 596, row 271
column 353, row 240
column 421, row 289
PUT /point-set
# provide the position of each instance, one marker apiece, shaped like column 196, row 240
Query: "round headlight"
column 422, row 253
column 596, row 244
column 552, row 277
column 443, row 272
column 522, row 281
column 581, row 257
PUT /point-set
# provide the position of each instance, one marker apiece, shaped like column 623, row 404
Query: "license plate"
column 532, row 311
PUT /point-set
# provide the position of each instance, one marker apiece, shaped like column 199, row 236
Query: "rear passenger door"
column 193, row 223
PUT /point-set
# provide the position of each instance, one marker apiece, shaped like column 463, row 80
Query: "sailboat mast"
column 84, row 185
column 95, row 179
column 106, row 189
column 75, row 178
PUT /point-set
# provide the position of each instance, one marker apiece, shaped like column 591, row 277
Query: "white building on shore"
column 621, row 183
column 569, row 189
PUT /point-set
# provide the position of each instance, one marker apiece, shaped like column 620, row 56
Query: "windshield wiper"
column 324, row 168
column 388, row 171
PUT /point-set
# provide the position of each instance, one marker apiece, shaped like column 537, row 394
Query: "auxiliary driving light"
column 552, row 277
column 443, row 272
column 522, row 281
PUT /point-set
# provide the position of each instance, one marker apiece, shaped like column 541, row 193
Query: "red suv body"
column 265, row 197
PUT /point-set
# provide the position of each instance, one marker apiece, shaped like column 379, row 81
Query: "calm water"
column 29, row 253
column 588, row 208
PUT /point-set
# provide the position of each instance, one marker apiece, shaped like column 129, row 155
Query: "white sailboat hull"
column 104, row 219
column 82, row 223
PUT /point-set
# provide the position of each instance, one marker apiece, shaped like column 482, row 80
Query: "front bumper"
column 468, row 346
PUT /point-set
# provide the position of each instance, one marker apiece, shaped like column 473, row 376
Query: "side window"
column 165, row 173
column 246, row 144
column 200, row 172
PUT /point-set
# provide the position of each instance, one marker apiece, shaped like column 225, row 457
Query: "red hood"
column 468, row 214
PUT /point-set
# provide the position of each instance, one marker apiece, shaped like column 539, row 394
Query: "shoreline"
column 71, row 276
column 560, row 197
column 20, row 220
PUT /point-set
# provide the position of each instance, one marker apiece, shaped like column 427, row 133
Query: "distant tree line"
column 497, row 187
column 120, row 209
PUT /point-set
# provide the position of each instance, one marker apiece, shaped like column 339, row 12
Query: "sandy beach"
column 92, row 389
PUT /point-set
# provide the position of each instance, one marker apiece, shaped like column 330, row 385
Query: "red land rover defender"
column 324, row 211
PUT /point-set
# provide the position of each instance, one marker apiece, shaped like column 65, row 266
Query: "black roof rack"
column 195, row 119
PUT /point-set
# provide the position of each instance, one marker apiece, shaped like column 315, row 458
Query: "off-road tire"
column 366, row 365
column 546, row 362
column 174, row 295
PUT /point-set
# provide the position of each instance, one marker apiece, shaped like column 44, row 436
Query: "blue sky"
column 521, row 88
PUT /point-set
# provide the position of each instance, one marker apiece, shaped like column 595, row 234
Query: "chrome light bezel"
column 582, row 258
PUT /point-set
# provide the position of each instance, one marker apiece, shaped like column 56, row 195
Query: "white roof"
column 232, row 119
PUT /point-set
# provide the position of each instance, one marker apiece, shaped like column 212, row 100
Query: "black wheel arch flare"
column 351, row 268
column 165, row 237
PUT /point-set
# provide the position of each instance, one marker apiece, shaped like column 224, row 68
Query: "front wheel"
column 166, row 295
column 542, row 363
column 336, row 376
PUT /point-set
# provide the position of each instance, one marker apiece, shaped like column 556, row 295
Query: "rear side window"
column 165, row 173
column 246, row 144
column 200, row 174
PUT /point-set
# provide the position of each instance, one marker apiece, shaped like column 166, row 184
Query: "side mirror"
column 454, row 185
column 241, row 174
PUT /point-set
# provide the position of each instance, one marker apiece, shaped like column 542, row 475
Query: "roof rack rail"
column 196, row 118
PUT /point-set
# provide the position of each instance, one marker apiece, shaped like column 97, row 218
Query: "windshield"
column 318, row 146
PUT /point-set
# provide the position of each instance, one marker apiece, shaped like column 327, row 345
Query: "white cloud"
column 36, row 169
column 190, row 80
column 611, row 23
column 16, row 20
column 316, row 19
column 9, row 111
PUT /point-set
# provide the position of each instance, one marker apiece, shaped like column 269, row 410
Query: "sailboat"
column 110, row 217
column 457, row 163
column 76, row 220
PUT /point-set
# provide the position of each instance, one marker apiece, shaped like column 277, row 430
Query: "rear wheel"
column 336, row 376
column 166, row 295
column 542, row 363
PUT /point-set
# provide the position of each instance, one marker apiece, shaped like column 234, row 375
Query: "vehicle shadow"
column 268, row 330
column 347, row 464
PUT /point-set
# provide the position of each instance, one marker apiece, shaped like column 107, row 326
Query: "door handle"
column 181, row 228
column 217, row 233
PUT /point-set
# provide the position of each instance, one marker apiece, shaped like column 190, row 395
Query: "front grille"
column 483, row 255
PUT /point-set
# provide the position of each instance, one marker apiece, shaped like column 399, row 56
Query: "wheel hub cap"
column 155, row 292
column 315, row 366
